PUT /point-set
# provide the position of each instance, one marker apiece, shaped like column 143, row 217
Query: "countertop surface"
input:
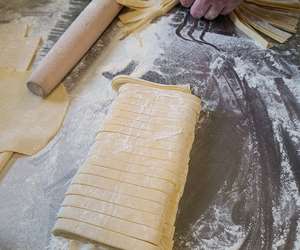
column 242, row 190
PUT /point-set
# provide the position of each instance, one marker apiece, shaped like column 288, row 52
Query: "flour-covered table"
column 243, row 185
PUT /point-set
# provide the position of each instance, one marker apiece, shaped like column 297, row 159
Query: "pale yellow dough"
column 116, row 198
column 104, row 207
column 131, row 178
column 4, row 158
column 135, row 173
column 11, row 31
column 142, row 12
column 18, row 53
column 82, row 231
column 15, row 52
column 27, row 122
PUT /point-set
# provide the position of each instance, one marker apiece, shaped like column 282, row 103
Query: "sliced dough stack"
column 126, row 194
column 262, row 19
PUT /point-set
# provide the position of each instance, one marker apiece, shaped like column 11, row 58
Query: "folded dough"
column 126, row 194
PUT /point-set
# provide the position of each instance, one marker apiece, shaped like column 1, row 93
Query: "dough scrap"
column 27, row 122
column 134, row 177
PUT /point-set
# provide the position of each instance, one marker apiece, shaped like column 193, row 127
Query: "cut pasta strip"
column 238, row 22
column 141, row 13
column 275, row 19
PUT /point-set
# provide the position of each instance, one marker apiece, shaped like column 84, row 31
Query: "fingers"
column 199, row 8
column 187, row 3
column 226, row 11
column 214, row 11
column 230, row 7
column 210, row 9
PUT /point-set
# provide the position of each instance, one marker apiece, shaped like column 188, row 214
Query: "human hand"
column 210, row 9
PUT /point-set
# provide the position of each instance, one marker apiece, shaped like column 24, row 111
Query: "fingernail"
column 196, row 14
column 185, row 3
column 209, row 17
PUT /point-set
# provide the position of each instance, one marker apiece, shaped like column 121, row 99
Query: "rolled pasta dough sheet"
column 27, row 122
column 13, row 30
column 4, row 158
column 12, row 37
column 18, row 53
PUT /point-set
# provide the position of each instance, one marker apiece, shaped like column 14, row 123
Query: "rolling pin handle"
column 36, row 89
column 72, row 46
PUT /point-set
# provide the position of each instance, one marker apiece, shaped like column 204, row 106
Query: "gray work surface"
column 243, row 185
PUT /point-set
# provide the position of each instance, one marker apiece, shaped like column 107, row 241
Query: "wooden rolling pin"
column 72, row 46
